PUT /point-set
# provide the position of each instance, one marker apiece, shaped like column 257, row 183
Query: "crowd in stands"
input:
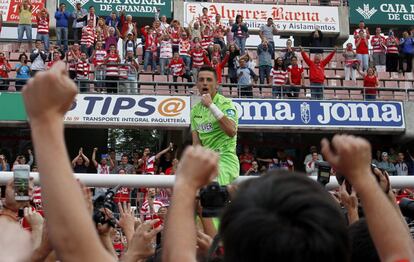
column 299, row 219
column 171, row 49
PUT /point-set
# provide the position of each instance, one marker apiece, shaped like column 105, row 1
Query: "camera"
column 324, row 172
column 104, row 200
column 407, row 207
column 213, row 198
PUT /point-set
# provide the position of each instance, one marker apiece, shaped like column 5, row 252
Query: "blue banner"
column 257, row 113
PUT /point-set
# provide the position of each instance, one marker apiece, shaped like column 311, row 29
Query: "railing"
column 232, row 90
column 163, row 181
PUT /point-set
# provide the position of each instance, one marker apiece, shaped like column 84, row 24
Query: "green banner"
column 12, row 107
column 382, row 12
column 136, row 8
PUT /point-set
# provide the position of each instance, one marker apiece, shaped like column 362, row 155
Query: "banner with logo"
column 134, row 110
column 334, row 115
column 136, row 8
column 288, row 18
column 382, row 12
column 10, row 9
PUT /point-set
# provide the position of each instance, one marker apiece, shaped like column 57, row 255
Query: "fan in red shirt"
column 218, row 66
column 246, row 160
column 370, row 83
column 198, row 57
column 5, row 68
column 361, row 43
column 178, row 69
column 171, row 170
column 317, row 72
column 124, row 193
column 296, row 77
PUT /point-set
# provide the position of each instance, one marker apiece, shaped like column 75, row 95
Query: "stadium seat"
column 146, row 88
column 391, row 84
column 409, row 76
column 14, row 56
column 383, row 75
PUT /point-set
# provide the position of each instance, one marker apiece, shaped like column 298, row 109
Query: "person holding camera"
column 254, row 170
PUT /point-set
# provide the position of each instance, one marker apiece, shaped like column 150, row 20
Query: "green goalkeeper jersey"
column 214, row 138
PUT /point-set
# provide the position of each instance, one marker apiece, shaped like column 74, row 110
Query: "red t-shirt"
column 362, row 48
column 370, row 84
column 122, row 195
column 295, row 74
column 246, row 165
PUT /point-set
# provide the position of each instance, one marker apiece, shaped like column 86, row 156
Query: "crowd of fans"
column 299, row 219
column 171, row 49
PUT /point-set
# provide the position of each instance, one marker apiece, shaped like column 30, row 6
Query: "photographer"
column 254, row 170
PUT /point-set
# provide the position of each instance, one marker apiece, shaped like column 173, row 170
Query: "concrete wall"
column 409, row 122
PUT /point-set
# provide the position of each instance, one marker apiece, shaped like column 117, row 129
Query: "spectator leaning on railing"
column 371, row 83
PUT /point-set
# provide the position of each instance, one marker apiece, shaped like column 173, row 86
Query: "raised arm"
column 305, row 56
column 85, row 158
column 351, row 156
column 170, row 147
column 196, row 169
column 95, row 164
column 47, row 98
column 328, row 58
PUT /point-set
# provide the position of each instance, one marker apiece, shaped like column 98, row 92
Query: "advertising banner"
column 135, row 110
column 136, row 8
column 382, row 12
column 12, row 107
column 262, row 113
column 10, row 9
column 288, row 18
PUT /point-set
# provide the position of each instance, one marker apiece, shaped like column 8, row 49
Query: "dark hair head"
column 208, row 69
column 239, row 17
column 283, row 216
column 21, row 55
column 363, row 249
column 205, row 9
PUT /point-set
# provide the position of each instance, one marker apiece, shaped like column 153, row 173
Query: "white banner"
column 288, row 18
column 135, row 110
